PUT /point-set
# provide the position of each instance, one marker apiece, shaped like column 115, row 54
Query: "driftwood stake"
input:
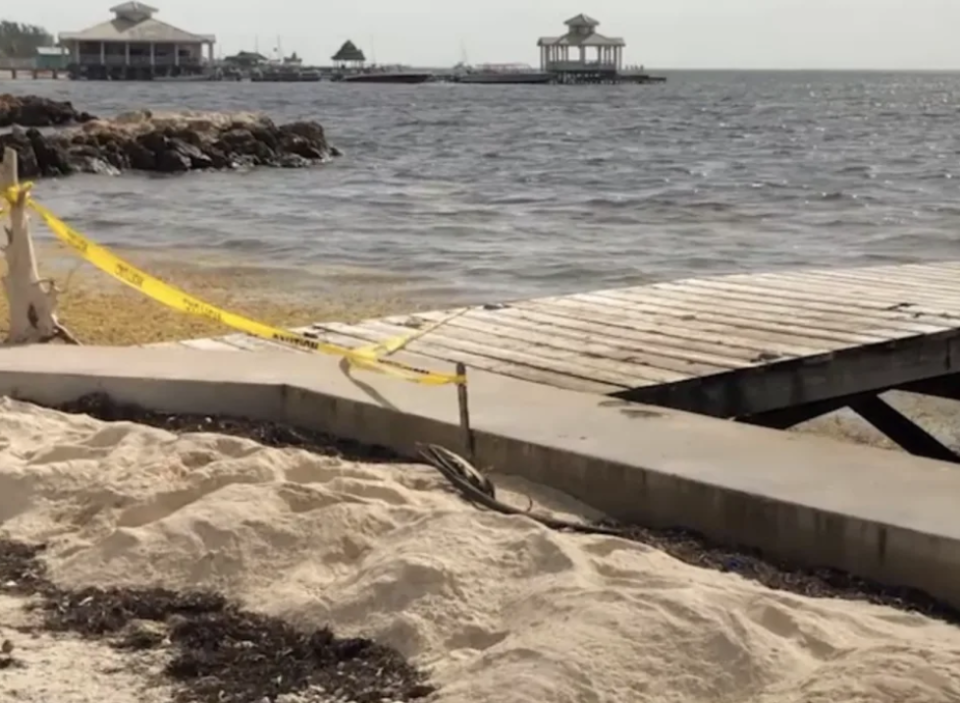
column 31, row 299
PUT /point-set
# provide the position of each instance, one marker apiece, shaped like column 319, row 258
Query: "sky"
column 685, row 34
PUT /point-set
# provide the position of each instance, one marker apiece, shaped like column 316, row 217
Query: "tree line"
column 20, row 41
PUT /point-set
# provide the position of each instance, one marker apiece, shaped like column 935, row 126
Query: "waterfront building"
column 135, row 45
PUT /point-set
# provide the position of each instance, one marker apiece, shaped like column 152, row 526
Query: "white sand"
column 498, row 608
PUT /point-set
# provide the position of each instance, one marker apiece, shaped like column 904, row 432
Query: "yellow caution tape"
column 368, row 357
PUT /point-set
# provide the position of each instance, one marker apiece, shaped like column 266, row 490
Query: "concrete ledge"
column 882, row 515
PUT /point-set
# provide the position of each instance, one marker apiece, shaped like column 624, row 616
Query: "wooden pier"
column 771, row 349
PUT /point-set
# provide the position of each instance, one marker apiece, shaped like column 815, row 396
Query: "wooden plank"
column 334, row 331
column 732, row 320
column 439, row 342
column 249, row 343
column 883, row 290
column 928, row 269
column 533, row 335
column 210, row 345
column 948, row 268
column 596, row 318
column 587, row 304
column 832, row 313
column 918, row 305
column 942, row 280
column 647, row 336
column 856, row 299
column 569, row 361
column 785, row 314
column 349, row 341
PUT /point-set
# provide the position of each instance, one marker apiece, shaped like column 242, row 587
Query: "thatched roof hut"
column 349, row 53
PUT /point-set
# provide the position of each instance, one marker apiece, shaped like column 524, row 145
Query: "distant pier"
column 15, row 73
column 584, row 56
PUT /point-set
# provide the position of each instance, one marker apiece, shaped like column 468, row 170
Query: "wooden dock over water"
column 772, row 349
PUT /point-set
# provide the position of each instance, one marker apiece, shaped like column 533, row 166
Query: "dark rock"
column 51, row 158
column 334, row 151
column 85, row 151
column 238, row 139
column 34, row 111
column 266, row 137
column 218, row 159
column 189, row 136
column 264, row 154
column 104, row 138
column 115, row 156
column 155, row 142
column 197, row 158
column 27, row 162
column 140, row 157
column 301, row 147
column 172, row 161
column 311, row 131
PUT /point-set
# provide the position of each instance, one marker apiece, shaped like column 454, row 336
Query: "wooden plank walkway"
column 731, row 346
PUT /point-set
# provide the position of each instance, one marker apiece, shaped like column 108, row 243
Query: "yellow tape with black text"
column 369, row 357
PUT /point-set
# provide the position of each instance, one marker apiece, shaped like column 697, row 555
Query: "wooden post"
column 32, row 300
column 464, row 405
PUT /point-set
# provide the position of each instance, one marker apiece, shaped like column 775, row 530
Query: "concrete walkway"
column 879, row 514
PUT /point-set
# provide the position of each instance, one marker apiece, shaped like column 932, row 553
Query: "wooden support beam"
column 786, row 418
column 786, row 384
column 947, row 387
column 902, row 429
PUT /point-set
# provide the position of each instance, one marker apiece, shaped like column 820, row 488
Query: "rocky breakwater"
column 168, row 143
column 34, row 111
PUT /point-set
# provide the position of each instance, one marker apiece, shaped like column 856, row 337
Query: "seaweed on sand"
column 219, row 652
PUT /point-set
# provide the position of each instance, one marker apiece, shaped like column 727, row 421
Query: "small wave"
column 613, row 203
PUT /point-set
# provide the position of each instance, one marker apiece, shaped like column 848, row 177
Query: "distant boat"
column 386, row 77
column 190, row 78
column 285, row 75
column 507, row 73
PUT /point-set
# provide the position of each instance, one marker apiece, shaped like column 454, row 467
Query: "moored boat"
column 503, row 74
column 386, row 77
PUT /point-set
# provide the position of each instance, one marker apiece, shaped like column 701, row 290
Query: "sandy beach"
column 100, row 310
column 492, row 608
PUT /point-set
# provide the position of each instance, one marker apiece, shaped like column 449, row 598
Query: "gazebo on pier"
column 349, row 56
column 578, row 65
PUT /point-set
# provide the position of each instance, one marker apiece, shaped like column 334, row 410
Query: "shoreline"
column 102, row 311
column 288, row 297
